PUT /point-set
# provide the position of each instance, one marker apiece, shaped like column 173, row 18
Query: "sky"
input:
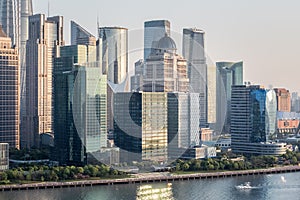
column 264, row 34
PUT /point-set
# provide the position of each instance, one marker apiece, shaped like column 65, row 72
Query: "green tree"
column 235, row 166
column 185, row 166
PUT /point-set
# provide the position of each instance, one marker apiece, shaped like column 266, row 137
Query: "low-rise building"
column 200, row 153
column 4, row 156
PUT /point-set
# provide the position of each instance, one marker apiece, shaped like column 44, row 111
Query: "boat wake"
column 246, row 186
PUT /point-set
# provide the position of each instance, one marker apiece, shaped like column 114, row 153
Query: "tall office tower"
column 80, row 127
column 253, row 120
column 211, row 95
column 228, row 74
column 45, row 38
column 141, row 126
column 114, row 53
column 165, row 71
column 81, row 36
column 14, row 19
column 10, row 19
column 183, row 123
column 193, row 50
column 271, row 114
column 10, row 92
column 26, row 11
column 137, row 80
column 153, row 32
column 283, row 99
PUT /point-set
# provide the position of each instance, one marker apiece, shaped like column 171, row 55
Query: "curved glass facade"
column 258, row 99
column 271, row 112
column 114, row 53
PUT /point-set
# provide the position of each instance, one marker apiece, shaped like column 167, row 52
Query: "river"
column 274, row 186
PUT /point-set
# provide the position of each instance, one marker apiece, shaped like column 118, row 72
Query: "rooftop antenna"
column 98, row 24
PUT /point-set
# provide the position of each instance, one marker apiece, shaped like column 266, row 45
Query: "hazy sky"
column 265, row 34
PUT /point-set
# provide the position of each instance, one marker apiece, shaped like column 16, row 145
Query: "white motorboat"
column 245, row 186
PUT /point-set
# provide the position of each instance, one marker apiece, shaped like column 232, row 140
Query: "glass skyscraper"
column 81, row 36
column 253, row 120
column 271, row 113
column 141, row 126
column 153, row 32
column 9, row 92
column 14, row 20
column 193, row 51
column 80, row 124
column 114, row 53
column 227, row 75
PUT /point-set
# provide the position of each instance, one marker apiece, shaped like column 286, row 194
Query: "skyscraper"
column 26, row 11
column 228, row 74
column 9, row 92
column 80, row 106
column 10, row 19
column 153, row 32
column 165, row 70
column 14, row 19
column 193, row 51
column 114, row 53
column 164, row 73
column 136, row 81
column 253, row 120
column 45, row 38
column 81, row 36
column 211, row 94
column 141, row 126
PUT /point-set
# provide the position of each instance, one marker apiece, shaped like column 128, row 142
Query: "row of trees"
column 224, row 163
column 45, row 173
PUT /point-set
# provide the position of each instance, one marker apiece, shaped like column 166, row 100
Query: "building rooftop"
column 166, row 43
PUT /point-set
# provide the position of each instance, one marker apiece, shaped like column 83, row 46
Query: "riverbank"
column 149, row 178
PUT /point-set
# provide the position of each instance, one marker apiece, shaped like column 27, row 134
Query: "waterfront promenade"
column 149, row 178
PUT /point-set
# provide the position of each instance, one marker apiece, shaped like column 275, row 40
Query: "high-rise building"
column 183, row 123
column 153, row 32
column 193, row 51
column 10, row 19
column 81, row 36
column 228, row 74
column 80, row 126
column 114, row 53
column 9, row 92
column 45, row 38
column 211, row 95
column 137, row 80
column 283, row 99
column 253, row 120
column 14, row 19
column 165, row 71
column 141, row 126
